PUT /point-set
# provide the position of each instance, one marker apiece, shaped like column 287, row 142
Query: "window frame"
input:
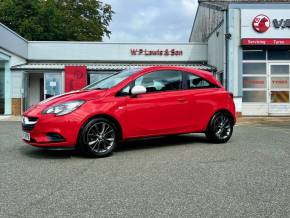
column 184, row 85
column 132, row 84
column 187, row 87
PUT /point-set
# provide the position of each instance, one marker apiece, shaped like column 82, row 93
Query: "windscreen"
column 113, row 80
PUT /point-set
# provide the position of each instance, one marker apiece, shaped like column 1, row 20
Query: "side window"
column 163, row 80
column 194, row 81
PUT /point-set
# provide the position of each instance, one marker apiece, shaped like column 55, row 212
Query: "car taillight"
column 231, row 94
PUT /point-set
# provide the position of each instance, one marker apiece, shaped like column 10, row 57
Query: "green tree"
column 79, row 20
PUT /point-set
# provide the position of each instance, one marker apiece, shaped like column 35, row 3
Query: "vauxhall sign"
column 281, row 23
column 265, row 27
column 261, row 23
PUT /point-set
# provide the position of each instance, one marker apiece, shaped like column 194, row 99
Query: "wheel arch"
column 222, row 110
column 108, row 117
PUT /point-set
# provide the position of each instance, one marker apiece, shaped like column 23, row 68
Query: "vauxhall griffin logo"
column 261, row 23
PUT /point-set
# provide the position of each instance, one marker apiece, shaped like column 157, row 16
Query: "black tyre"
column 220, row 128
column 98, row 138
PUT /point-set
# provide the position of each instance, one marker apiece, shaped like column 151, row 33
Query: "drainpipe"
column 226, row 68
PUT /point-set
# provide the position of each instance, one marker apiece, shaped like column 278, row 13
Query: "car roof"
column 201, row 73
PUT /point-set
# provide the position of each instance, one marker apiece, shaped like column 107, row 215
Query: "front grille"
column 28, row 123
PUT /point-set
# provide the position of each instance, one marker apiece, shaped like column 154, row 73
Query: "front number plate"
column 26, row 136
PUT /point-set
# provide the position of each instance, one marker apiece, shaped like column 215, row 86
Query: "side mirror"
column 137, row 90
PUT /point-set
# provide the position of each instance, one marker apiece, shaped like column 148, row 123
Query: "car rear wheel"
column 220, row 128
column 98, row 138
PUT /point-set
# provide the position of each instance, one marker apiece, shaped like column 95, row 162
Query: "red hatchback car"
column 134, row 103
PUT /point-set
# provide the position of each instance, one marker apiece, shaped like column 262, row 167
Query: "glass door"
column 53, row 84
column 279, row 89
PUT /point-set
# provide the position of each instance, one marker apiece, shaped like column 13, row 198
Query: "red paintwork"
column 151, row 114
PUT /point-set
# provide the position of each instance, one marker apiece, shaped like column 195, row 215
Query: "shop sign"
column 280, row 82
column 281, row 23
column 268, row 23
column 261, row 23
column 259, row 41
column 157, row 52
column 256, row 82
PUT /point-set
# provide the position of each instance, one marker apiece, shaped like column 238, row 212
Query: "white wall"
column 86, row 51
column 11, row 41
column 234, row 73
column 17, row 78
column 216, row 44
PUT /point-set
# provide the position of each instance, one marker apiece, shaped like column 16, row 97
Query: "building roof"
column 104, row 66
column 223, row 4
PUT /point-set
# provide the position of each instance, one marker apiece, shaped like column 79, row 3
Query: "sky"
column 151, row 20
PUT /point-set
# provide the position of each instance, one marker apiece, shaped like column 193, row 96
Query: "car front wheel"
column 98, row 138
column 220, row 128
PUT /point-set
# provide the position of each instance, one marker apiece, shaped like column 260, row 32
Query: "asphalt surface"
column 182, row 176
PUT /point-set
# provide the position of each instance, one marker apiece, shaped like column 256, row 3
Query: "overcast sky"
column 151, row 20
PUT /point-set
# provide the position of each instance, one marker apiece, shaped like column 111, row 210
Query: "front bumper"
column 53, row 131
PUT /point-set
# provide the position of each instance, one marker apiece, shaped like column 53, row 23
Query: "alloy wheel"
column 222, row 127
column 101, row 137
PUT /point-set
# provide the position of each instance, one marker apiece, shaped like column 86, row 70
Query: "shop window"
column 254, row 96
column 280, row 82
column 279, row 54
column 254, row 55
column 280, row 97
column 95, row 77
column 280, row 69
column 254, row 82
column 254, row 68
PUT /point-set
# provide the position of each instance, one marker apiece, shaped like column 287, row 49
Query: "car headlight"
column 64, row 108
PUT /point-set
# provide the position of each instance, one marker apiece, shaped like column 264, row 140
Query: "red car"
column 134, row 103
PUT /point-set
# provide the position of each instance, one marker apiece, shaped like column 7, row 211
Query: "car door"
column 163, row 109
column 202, row 98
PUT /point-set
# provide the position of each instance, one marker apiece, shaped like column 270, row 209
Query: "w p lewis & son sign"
column 156, row 52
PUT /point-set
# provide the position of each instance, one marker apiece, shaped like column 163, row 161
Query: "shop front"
column 266, row 82
column 38, row 86
column 265, row 62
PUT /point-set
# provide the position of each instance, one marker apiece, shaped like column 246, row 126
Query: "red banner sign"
column 158, row 52
column 256, row 41
column 75, row 77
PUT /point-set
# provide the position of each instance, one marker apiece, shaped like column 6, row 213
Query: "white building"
column 248, row 42
column 33, row 71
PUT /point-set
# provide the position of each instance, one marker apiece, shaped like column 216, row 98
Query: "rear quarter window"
column 195, row 82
